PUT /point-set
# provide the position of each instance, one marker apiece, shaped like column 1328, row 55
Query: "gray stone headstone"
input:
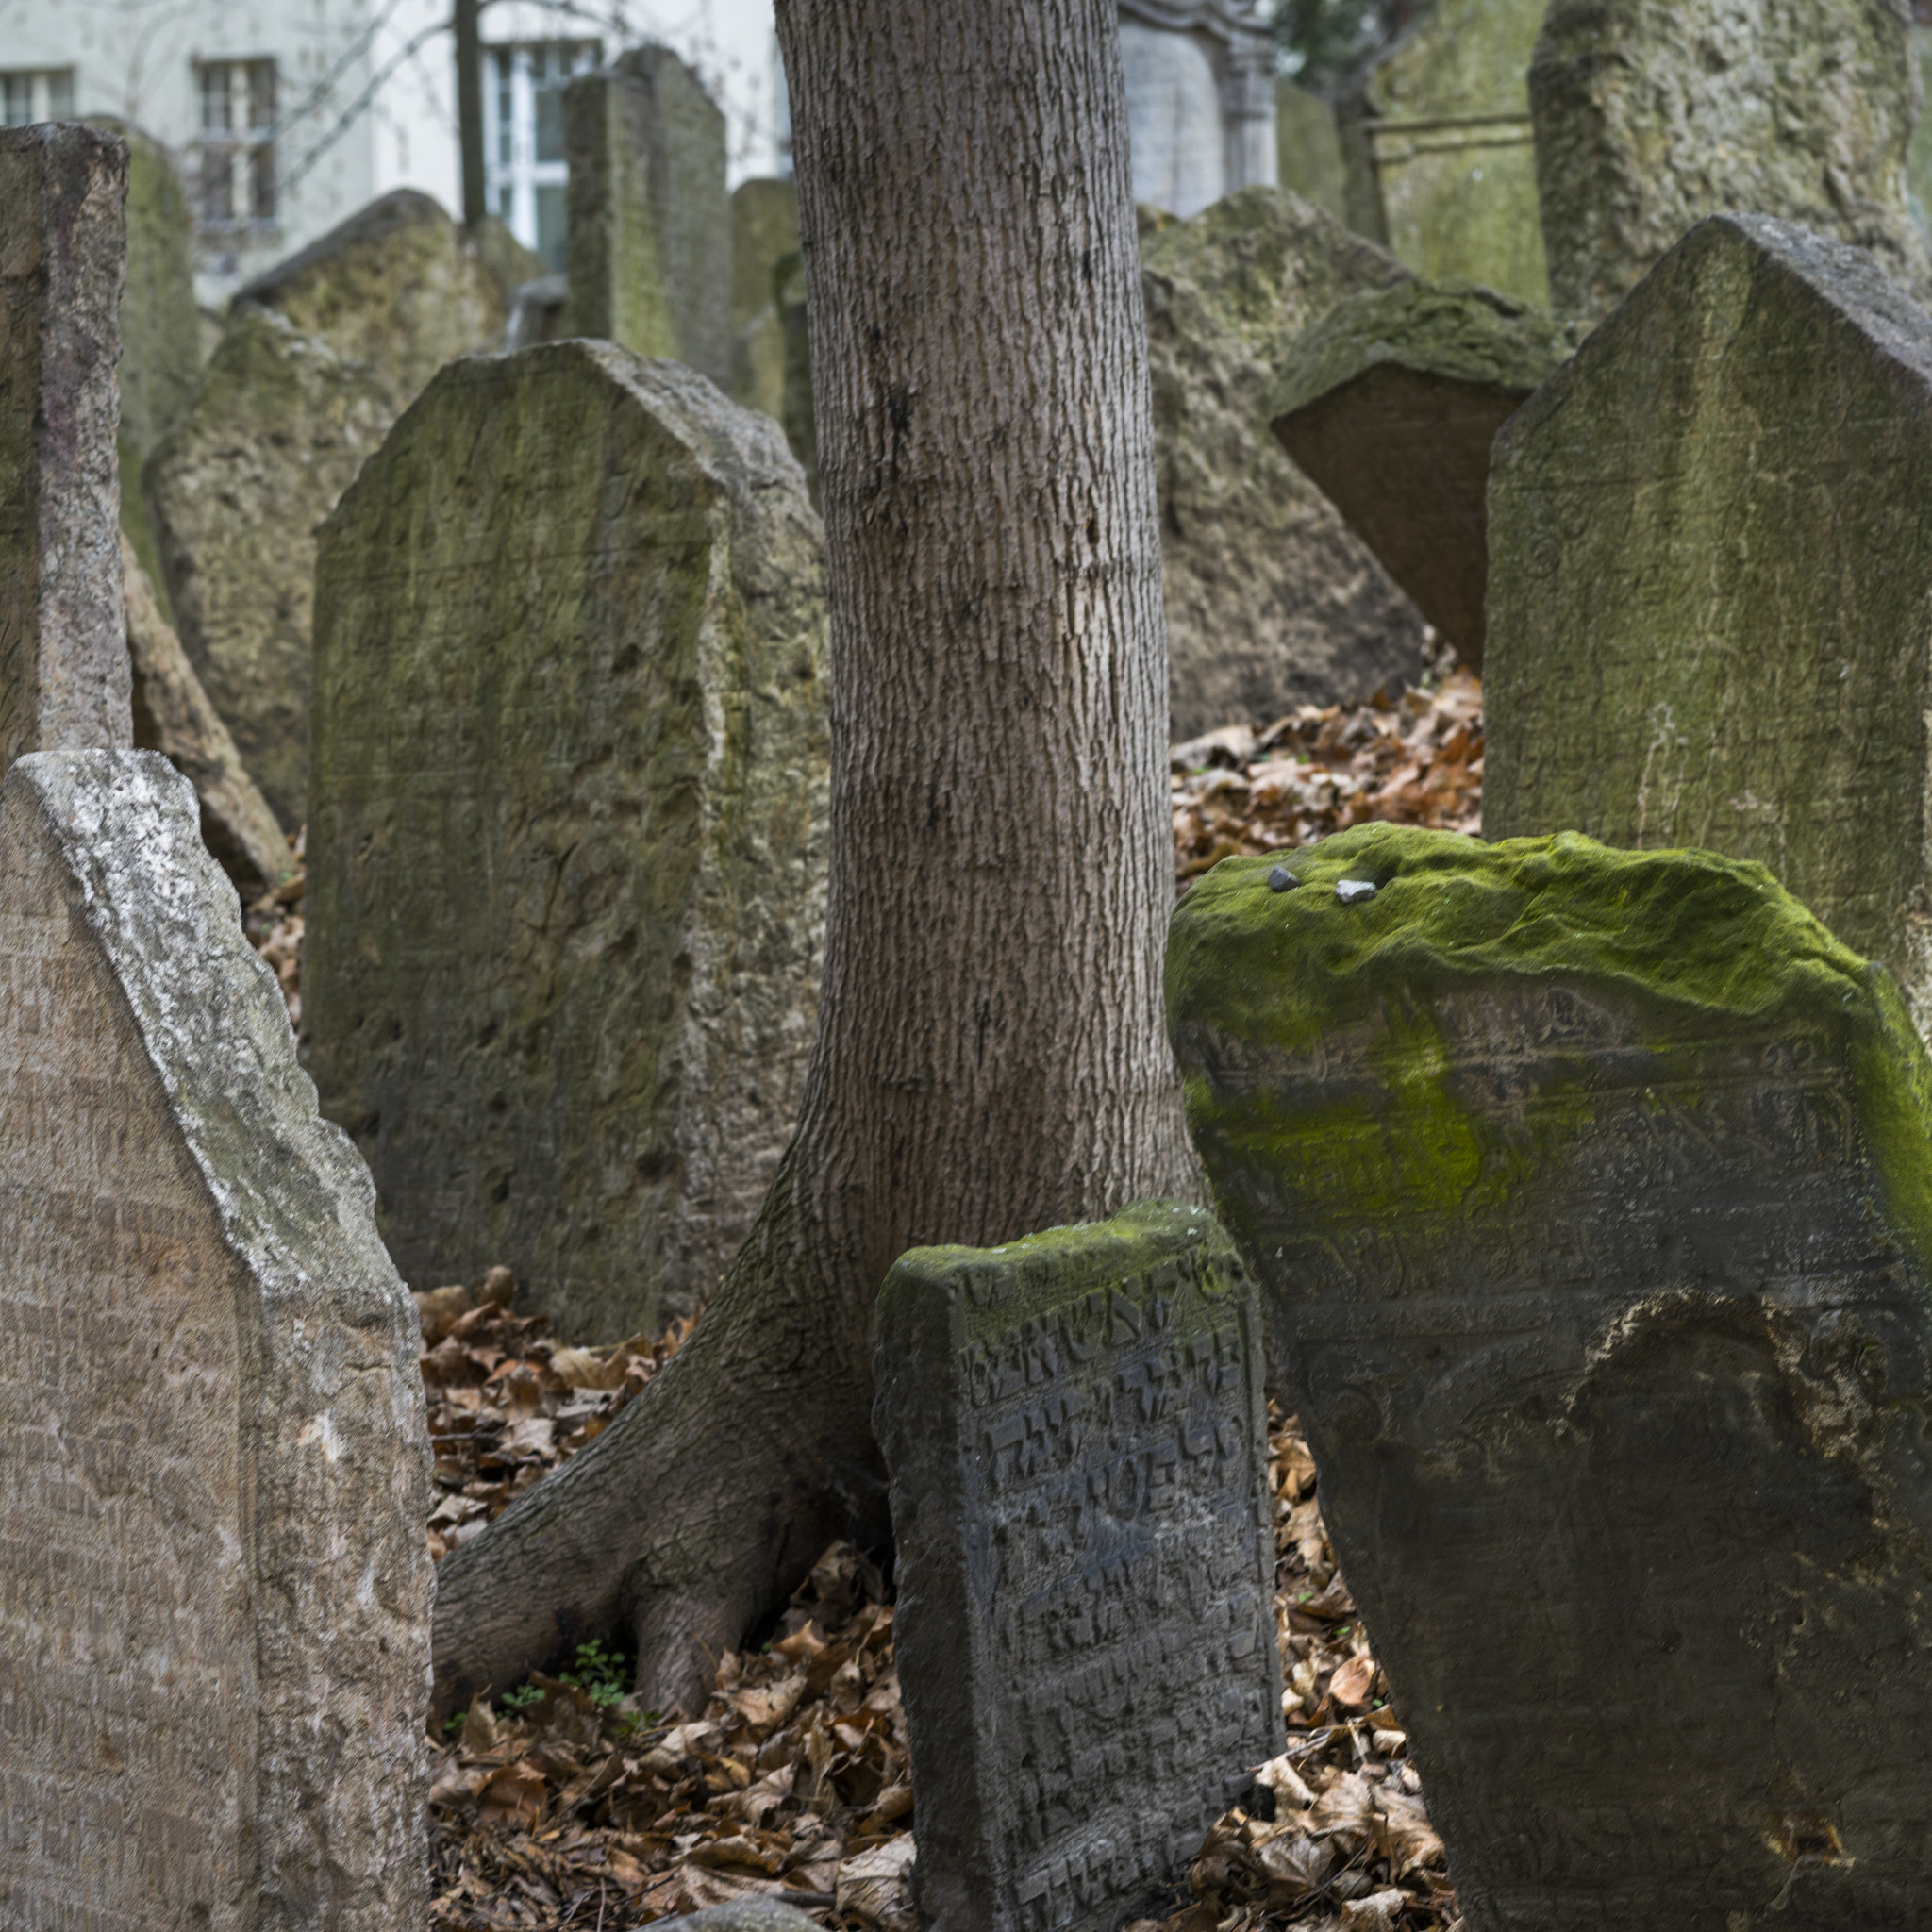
column 566, row 860
column 319, row 358
column 214, row 1469
column 1200, row 81
column 1390, row 403
column 1076, row 1428
column 63, row 252
column 765, row 232
column 1651, row 114
column 1591, row 1191
column 1710, row 580
column 650, row 215
column 1272, row 601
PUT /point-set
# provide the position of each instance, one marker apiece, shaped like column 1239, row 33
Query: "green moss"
column 1456, row 329
column 1695, row 946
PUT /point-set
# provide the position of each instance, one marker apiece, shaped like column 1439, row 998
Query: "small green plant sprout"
column 599, row 1674
column 520, row 1698
column 453, row 1726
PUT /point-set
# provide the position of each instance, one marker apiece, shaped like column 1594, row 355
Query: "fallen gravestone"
column 1438, row 134
column 319, row 358
column 566, row 865
column 764, row 232
column 173, row 716
column 1085, row 1629
column 1591, row 1191
column 1710, row 580
column 650, row 215
column 64, row 647
column 1651, row 114
column 214, row 1655
column 1390, row 403
column 1271, row 600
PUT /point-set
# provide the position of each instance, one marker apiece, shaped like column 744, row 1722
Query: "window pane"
column 550, row 121
column 262, row 182
column 552, row 227
column 214, row 98
column 217, row 186
column 61, row 94
column 16, row 99
column 261, row 93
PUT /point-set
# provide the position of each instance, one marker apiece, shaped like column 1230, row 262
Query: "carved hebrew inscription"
column 127, row 1669
column 1076, row 1429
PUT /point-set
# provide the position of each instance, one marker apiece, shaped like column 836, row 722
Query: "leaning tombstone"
column 1272, row 601
column 1591, row 1195
column 1076, row 1428
column 1437, row 131
column 1390, row 403
column 764, row 232
column 650, row 214
column 63, row 645
column 1651, row 114
column 1710, row 580
column 566, row 846
column 318, row 359
column 214, row 1652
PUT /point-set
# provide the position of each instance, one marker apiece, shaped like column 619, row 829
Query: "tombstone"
column 795, row 404
column 650, row 217
column 1390, row 403
column 173, row 716
column 64, row 648
column 1919, row 158
column 1651, row 114
column 318, row 359
column 1308, row 149
column 1591, row 1195
column 1710, row 580
column 566, row 862
column 1076, row 1432
column 1200, row 83
column 1271, row 600
column 764, row 232
column 214, row 1648
column 1442, row 163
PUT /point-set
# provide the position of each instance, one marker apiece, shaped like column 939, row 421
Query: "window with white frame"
column 40, row 93
column 234, row 160
column 524, row 172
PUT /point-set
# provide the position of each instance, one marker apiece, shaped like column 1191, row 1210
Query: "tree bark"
column 990, row 1057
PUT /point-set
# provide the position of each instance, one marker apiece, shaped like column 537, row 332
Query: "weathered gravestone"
column 1308, row 149
column 215, row 1595
column 1390, row 403
column 1710, row 580
column 1085, row 1630
column 319, row 358
column 1439, row 140
column 1652, row 113
column 764, row 232
column 1271, row 600
column 650, row 216
column 1591, row 1191
column 566, row 864
column 1200, row 84
column 795, row 402
column 63, row 646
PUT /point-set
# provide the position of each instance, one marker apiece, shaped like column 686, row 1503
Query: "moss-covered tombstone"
column 1651, row 114
column 1390, row 403
column 1591, row 1193
column 650, row 217
column 319, row 358
column 1085, row 1631
column 1271, row 600
column 566, row 856
column 1441, row 162
column 764, row 232
column 1710, row 580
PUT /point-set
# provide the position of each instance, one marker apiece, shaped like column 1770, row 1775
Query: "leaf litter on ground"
column 566, row 1805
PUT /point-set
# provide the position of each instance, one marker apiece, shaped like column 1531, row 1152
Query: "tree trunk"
column 990, row 1057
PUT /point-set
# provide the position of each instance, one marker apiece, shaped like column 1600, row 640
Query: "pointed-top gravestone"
column 1651, row 114
column 1591, row 1195
column 1390, row 403
column 1710, row 580
column 213, row 1459
column 64, row 252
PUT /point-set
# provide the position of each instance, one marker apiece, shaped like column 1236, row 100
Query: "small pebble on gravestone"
column 1084, row 1627
column 1352, row 892
column 1282, row 880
